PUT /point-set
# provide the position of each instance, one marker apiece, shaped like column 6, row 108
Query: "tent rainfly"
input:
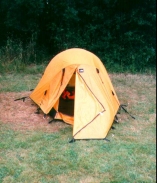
column 77, row 86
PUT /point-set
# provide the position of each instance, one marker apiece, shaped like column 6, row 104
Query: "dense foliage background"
column 122, row 33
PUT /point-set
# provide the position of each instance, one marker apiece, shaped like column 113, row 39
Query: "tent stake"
column 106, row 139
column 72, row 140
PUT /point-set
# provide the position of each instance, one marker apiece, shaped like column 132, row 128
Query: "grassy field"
column 36, row 156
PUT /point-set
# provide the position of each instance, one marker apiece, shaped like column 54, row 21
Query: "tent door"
column 66, row 100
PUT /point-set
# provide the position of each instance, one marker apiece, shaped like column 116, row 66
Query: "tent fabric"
column 92, row 103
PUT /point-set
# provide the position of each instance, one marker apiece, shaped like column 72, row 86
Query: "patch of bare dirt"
column 21, row 115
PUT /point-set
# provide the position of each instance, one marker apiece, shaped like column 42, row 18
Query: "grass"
column 18, row 82
column 23, row 81
column 130, row 156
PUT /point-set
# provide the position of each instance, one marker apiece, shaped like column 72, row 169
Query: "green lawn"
column 42, row 157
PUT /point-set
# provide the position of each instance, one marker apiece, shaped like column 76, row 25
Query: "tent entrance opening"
column 66, row 100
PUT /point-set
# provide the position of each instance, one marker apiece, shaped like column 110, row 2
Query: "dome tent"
column 76, row 84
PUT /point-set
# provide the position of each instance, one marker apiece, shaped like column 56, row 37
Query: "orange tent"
column 76, row 84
